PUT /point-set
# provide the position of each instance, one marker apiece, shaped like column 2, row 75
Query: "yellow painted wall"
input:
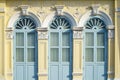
column 47, row 7
column 77, row 59
column 117, row 40
column 42, row 59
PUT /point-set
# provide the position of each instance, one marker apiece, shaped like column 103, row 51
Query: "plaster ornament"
column 59, row 9
column 24, row 9
column 77, row 14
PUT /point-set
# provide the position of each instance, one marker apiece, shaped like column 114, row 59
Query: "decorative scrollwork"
column 26, row 23
column 95, row 23
column 9, row 33
column 60, row 23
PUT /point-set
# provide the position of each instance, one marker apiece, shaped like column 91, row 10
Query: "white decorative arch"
column 17, row 15
column 50, row 17
column 105, row 17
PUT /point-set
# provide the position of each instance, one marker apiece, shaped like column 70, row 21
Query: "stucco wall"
column 42, row 9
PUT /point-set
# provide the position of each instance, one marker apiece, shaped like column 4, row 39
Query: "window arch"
column 25, row 48
column 60, row 48
column 60, row 22
column 25, row 22
column 95, row 48
column 95, row 23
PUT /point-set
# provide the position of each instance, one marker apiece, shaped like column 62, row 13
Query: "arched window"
column 60, row 22
column 25, row 22
column 25, row 48
column 95, row 23
column 95, row 49
column 60, row 49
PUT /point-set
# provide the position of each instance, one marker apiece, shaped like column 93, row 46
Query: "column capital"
column 77, row 32
column 110, row 27
column 77, row 28
column 9, row 32
column 42, row 33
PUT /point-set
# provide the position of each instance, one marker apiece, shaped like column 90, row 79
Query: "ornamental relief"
column 43, row 12
column 42, row 35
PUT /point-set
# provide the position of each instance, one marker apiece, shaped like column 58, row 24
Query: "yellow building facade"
column 59, row 40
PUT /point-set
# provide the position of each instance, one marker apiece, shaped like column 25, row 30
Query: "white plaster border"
column 110, row 79
column 50, row 17
column 2, row 10
column 104, row 16
column 17, row 15
column 116, row 79
column 117, row 9
column 42, row 74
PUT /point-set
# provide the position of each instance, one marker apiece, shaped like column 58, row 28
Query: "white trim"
column 2, row 10
column 10, row 73
column 111, row 34
column 110, row 72
column 77, row 73
column 24, row 9
column 50, row 17
column 117, row 79
column 17, row 15
column 110, row 79
column 2, row 79
column 105, row 17
column 117, row 9
column 42, row 74
column 59, row 9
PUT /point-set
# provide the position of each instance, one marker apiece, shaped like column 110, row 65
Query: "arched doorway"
column 25, row 49
column 60, row 49
column 95, row 49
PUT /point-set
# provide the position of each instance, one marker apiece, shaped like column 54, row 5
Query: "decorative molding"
column 116, row 78
column 110, row 72
column 59, row 9
column 42, row 74
column 95, row 8
column 24, row 9
column 2, row 78
column 110, row 27
column 9, row 32
column 77, row 73
column 110, row 31
column 42, row 33
column 117, row 9
column 77, row 32
column 10, row 74
column 2, row 10
column 41, row 14
column 77, row 14
column 110, row 79
column 110, row 34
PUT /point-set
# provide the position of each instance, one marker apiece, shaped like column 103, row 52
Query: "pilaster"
column 111, row 50
column 9, row 52
column 77, row 53
column 42, row 54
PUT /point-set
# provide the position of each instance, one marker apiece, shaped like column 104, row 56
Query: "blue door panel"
column 89, row 72
column 31, row 72
column 25, row 67
column 101, row 73
column 66, row 73
column 95, row 64
column 60, row 64
column 54, row 72
column 20, row 72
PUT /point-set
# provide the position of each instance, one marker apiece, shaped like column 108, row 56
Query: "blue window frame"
column 95, row 49
column 60, row 49
column 25, row 49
